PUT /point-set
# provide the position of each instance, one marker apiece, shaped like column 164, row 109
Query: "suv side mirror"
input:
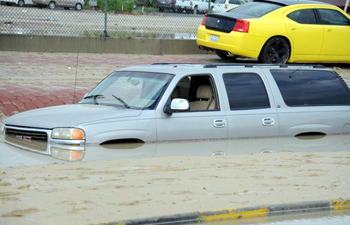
column 177, row 105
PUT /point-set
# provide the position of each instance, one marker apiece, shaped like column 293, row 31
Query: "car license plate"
column 214, row 38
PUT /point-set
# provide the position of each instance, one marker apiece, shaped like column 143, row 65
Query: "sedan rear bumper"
column 236, row 43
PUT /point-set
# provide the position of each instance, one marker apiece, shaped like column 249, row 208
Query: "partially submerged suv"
column 185, row 102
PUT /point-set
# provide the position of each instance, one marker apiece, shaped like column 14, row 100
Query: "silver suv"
column 52, row 4
column 186, row 102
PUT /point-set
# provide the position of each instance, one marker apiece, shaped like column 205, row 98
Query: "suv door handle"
column 268, row 121
column 219, row 123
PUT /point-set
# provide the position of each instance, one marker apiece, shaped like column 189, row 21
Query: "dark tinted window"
column 236, row 2
column 332, row 17
column 255, row 9
column 305, row 16
column 246, row 91
column 311, row 88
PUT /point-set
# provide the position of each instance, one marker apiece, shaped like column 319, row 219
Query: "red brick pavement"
column 35, row 80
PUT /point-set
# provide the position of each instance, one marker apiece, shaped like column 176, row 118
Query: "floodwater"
column 314, row 218
column 326, row 143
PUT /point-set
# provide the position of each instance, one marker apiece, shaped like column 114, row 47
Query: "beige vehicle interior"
column 198, row 90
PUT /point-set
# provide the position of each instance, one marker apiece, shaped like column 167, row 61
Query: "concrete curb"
column 237, row 213
column 28, row 43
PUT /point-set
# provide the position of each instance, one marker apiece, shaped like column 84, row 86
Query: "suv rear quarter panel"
column 298, row 120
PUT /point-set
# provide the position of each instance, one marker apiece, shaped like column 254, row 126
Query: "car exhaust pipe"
column 203, row 48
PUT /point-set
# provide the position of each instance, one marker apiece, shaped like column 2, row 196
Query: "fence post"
column 105, row 31
column 346, row 5
column 209, row 6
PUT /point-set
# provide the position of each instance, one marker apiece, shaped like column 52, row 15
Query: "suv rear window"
column 255, row 9
column 311, row 88
column 246, row 91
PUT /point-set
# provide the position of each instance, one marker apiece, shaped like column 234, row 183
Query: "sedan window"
column 304, row 16
column 236, row 2
column 332, row 17
column 255, row 9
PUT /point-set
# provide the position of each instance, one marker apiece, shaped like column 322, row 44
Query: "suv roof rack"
column 215, row 65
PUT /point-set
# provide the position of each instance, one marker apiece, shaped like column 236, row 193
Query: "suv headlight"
column 68, row 133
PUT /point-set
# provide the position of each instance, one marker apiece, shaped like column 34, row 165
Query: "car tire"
column 21, row 3
column 275, row 51
column 52, row 5
column 221, row 54
column 161, row 9
column 78, row 7
column 66, row 8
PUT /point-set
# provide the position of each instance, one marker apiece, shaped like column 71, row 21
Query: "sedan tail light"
column 204, row 19
column 241, row 26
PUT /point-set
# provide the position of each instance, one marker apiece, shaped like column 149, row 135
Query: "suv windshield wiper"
column 94, row 98
column 122, row 101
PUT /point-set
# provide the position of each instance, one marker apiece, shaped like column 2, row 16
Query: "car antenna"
column 76, row 75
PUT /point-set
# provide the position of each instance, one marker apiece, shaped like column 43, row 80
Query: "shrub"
column 146, row 3
column 117, row 5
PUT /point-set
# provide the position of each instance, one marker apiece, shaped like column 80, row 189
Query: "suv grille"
column 30, row 139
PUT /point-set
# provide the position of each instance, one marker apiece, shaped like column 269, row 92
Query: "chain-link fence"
column 117, row 18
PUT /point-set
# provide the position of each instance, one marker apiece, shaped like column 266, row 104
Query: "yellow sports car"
column 279, row 32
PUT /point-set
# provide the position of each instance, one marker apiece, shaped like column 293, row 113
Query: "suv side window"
column 246, row 91
column 199, row 90
column 311, row 88
column 304, row 16
column 332, row 17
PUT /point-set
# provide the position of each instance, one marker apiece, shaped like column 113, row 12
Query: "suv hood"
column 68, row 115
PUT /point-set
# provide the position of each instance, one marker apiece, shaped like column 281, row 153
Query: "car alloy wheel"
column 275, row 51
column 52, row 5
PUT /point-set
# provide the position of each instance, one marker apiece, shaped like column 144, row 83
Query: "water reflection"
column 316, row 143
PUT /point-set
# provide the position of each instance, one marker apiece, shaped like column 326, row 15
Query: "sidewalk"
column 35, row 80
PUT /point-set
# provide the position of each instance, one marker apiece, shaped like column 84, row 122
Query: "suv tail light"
column 204, row 19
column 225, row 6
column 191, row 3
column 241, row 26
column 171, row 2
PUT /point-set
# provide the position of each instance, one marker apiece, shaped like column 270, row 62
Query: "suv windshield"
column 138, row 90
column 255, row 9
